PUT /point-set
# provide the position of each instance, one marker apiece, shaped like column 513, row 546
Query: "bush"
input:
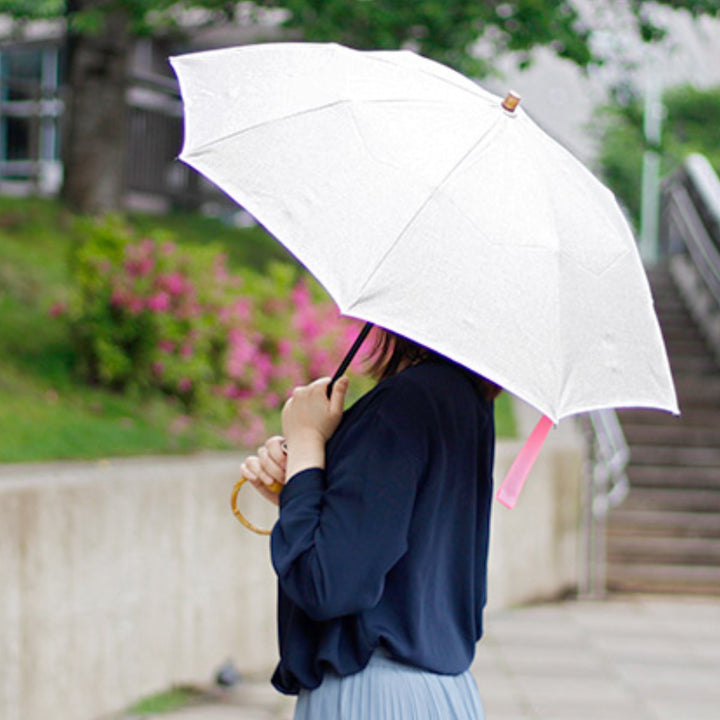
column 148, row 316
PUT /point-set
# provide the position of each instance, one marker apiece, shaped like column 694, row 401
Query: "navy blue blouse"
column 388, row 546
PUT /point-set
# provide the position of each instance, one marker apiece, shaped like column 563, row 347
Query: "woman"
column 381, row 543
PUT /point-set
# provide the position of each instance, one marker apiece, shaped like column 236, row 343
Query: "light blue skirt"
column 388, row 690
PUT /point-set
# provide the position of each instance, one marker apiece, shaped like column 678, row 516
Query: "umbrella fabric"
column 425, row 207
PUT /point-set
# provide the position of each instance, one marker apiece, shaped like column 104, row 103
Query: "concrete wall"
column 119, row 578
column 536, row 548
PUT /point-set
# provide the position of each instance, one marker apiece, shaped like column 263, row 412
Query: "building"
column 32, row 93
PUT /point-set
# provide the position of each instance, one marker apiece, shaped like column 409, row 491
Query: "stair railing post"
column 606, row 486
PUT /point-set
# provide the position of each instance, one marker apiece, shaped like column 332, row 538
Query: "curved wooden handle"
column 276, row 487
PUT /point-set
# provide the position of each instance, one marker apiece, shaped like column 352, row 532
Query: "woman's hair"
column 391, row 353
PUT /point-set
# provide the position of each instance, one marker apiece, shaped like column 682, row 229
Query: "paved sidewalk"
column 628, row 658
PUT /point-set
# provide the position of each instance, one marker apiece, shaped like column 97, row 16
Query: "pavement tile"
column 575, row 661
column 706, row 650
column 224, row 712
column 627, row 658
column 509, row 710
column 690, row 710
column 577, row 690
column 653, row 651
column 588, row 711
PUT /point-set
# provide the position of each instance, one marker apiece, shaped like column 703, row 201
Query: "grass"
column 173, row 699
column 46, row 412
column 505, row 423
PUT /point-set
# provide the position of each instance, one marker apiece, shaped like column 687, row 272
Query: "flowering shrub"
column 147, row 314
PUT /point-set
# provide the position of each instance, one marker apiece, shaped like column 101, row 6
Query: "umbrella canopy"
column 423, row 205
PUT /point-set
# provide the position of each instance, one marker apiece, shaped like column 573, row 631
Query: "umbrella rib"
column 319, row 108
column 476, row 92
column 250, row 128
column 422, row 207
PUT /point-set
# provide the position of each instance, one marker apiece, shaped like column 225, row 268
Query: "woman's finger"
column 252, row 471
column 277, row 450
column 246, row 471
column 269, row 467
column 256, row 473
column 337, row 398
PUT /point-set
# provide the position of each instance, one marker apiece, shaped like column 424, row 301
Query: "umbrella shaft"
column 349, row 356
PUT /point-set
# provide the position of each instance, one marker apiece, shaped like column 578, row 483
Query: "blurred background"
column 150, row 330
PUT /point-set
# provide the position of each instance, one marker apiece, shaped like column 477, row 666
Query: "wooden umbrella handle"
column 276, row 487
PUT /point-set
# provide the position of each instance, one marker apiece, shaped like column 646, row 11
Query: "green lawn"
column 45, row 411
column 173, row 699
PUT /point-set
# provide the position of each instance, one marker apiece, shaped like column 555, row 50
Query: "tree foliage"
column 447, row 30
column 692, row 117
column 464, row 34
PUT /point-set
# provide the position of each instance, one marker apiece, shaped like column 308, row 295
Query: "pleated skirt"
column 388, row 690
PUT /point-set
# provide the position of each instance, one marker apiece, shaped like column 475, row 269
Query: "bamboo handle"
column 276, row 487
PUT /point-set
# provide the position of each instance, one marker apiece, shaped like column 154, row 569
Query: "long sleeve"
column 339, row 535
column 387, row 547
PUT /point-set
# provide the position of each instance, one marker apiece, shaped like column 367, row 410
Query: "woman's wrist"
column 304, row 451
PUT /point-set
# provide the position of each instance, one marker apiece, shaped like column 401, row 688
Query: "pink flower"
column 174, row 283
column 320, row 363
column 158, row 368
column 254, row 433
column 190, row 310
column 139, row 267
column 187, row 350
column 263, row 368
column 167, row 346
column 290, row 371
column 241, row 353
column 118, row 298
column 160, row 302
column 57, row 308
column 241, row 309
column 185, row 385
column 233, row 433
column 274, row 306
column 135, row 305
column 272, row 400
column 301, row 295
column 168, row 248
column 285, row 348
column 146, row 246
column 232, row 392
column 220, row 270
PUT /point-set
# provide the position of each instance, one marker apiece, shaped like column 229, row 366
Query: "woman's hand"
column 309, row 420
column 267, row 467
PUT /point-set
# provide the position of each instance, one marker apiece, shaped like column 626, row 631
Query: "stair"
column 665, row 537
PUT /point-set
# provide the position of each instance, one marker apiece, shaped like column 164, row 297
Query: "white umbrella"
column 423, row 205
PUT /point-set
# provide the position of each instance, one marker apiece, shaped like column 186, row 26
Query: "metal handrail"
column 696, row 239
column 611, row 458
column 607, row 487
column 691, row 226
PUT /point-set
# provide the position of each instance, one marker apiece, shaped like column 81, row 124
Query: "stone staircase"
column 665, row 537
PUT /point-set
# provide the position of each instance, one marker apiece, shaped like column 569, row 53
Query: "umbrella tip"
column 511, row 101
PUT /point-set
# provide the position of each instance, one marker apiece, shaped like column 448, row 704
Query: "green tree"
column 692, row 119
column 100, row 34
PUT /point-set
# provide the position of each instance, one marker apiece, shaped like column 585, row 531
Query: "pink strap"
column 509, row 491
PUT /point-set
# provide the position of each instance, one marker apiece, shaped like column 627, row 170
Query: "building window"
column 30, row 111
